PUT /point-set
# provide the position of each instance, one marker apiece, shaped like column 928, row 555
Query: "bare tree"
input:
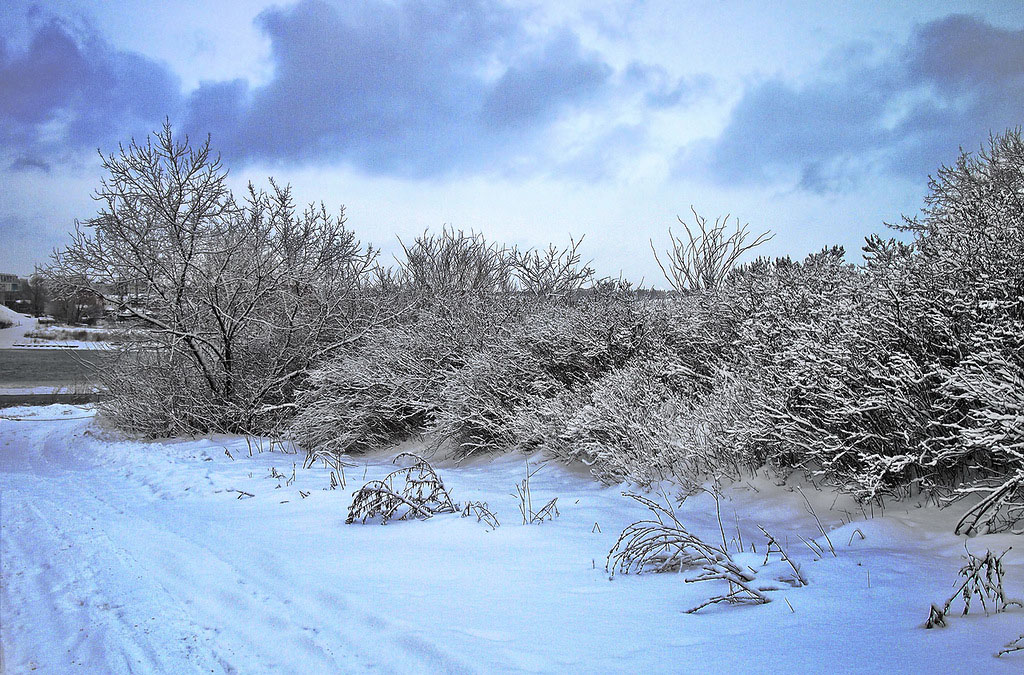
column 455, row 263
column 704, row 259
column 553, row 272
column 35, row 294
column 238, row 297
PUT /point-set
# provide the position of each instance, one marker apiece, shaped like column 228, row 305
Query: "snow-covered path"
column 121, row 556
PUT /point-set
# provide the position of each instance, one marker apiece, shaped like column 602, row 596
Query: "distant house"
column 10, row 288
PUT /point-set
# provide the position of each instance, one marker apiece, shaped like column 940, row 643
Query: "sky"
column 529, row 121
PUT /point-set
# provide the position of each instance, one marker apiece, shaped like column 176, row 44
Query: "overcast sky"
column 529, row 121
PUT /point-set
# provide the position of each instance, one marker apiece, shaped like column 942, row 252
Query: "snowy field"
column 27, row 333
column 121, row 556
column 69, row 337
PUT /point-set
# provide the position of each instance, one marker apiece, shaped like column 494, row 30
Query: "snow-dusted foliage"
column 239, row 297
column 833, row 394
column 966, row 292
column 632, row 425
column 905, row 373
column 897, row 375
column 524, row 390
column 450, row 298
column 388, row 385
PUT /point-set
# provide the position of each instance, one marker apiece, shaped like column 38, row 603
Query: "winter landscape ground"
column 511, row 336
column 124, row 556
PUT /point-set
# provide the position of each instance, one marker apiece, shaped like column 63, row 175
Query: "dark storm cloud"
column 955, row 80
column 70, row 90
column 538, row 86
column 413, row 88
column 398, row 88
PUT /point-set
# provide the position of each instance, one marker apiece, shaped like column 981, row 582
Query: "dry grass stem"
column 413, row 492
column 982, row 579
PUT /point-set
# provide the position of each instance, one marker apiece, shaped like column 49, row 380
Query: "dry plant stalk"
column 421, row 495
column 548, row 512
column 1016, row 645
column 332, row 462
column 482, row 513
column 665, row 545
column 798, row 578
column 1000, row 509
column 983, row 578
column 817, row 521
column 525, row 495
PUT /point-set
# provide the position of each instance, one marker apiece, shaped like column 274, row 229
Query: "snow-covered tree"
column 239, row 298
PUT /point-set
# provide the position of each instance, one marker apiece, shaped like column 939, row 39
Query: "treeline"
column 897, row 375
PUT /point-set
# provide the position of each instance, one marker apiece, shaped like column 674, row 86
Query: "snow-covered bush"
column 494, row 402
column 450, row 302
column 553, row 272
column 514, row 394
column 937, row 346
column 965, row 294
column 454, row 264
column 387, row 386
column 834, row 392
column 902, row 374
column 631, row 425
column 708, row 254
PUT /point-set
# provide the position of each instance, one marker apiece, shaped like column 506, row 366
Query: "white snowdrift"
column 21, row 324
column 123, row 556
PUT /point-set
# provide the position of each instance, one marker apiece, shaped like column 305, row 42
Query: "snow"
column 56, row 337
column 124, row 556
column 14, row 337
column 51, row 389
column 22, row 324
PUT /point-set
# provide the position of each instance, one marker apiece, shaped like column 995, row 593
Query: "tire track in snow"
column 244, row 585
column 173, row 603
column 58, row 573
column 90, row 554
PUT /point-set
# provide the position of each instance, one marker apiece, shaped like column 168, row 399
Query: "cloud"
column 661, row 90
column 412, row 88
column 70, row 90
column 538, row 86
column 25, row 163
column 901, row 114
column 25, row 242
column 603, row 156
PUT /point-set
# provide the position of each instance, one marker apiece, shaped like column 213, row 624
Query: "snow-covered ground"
column 125, row 556
column 44, row 337
column 65, row 337
column 21, row 324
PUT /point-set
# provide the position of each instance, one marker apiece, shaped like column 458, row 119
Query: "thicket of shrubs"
column 895, row 375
